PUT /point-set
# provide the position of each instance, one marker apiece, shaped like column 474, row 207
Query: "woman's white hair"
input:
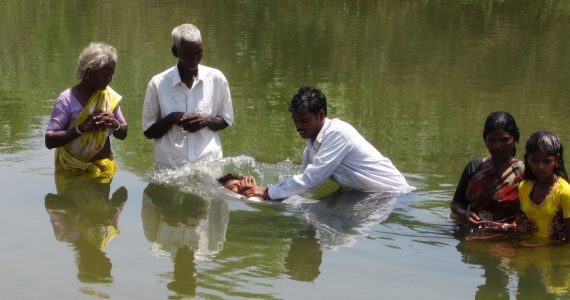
column 187, row 33
column 94, row 57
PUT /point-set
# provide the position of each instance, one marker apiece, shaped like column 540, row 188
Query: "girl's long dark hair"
column 549, row 142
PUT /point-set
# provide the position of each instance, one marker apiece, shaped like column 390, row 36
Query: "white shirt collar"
column 319, row 138
column 175, row 75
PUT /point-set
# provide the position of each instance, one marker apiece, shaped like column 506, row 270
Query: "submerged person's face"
column 233, row 185
column 308, row 125
column 500, row 144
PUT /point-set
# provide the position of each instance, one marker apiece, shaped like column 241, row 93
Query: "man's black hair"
column 310, row 99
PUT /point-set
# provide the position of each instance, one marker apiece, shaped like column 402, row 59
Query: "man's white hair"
column 187, row 33
column 94, row 57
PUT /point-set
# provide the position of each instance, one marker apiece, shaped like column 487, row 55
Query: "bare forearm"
column 161, row 127
column 121, row 133
column 61, row 138
column 458, row 209
column 217, row 123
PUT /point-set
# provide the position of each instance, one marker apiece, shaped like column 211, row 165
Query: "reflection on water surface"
column 416, row 78
column 84, row 215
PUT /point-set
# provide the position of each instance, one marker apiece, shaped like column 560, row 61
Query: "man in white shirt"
column 334, row 150
column 186, row 105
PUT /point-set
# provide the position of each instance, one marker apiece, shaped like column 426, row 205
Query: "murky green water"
column 417, row 78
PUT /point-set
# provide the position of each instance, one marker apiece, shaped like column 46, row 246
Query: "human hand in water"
column 256, row 190
column 525, row 224
column 248, row 182
column 472, row 218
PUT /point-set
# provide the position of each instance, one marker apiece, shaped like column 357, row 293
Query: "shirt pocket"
column 176, row 104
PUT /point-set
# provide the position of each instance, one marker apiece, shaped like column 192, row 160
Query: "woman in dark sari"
column 487, row 190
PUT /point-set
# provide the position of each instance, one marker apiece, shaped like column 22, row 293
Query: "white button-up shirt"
column 166, row 93
column 339, row 152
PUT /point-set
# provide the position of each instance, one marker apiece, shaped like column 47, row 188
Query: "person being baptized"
column 238, row 184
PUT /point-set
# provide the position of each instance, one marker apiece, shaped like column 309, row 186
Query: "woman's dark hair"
column 549, row 142
column 502, row 120
column 310, row 99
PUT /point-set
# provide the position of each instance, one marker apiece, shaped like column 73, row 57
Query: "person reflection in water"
column 490, row 258
column 543, row 272
column 83, row 215
column 334, row 150
column 304, row 257
column 184, row 227
column 338, row 217
column 84, row 117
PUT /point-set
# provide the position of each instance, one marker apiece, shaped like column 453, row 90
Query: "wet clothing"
column 340, row 153
column 166, row 93
column 75, row 157
column 489, row 191
column 549, row 214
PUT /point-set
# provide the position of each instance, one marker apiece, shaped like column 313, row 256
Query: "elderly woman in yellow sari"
column 85, row 115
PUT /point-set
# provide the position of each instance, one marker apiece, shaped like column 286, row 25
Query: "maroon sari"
column 493, row 191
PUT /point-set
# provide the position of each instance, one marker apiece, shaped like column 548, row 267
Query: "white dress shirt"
column 342, row 154
column 166, row 93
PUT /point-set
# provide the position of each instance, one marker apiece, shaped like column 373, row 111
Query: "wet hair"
column 228, row 177
column 94, row 57
column 310, row 99
column 549, row 142
column 185, row 33
column 502, row 120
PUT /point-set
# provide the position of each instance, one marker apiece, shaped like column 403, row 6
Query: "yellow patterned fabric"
column 75, row 157
column 87, row 203
column 556, row 203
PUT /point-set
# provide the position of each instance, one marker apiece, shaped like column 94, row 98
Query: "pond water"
column 416, row 78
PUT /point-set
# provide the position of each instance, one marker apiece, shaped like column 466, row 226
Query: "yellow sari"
column 75, row 157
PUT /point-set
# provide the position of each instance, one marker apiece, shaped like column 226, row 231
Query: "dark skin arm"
column 191, row 122
column 464, row 214
column 61, row 138
column 161, row 127
column 567, row 225
column 106, row 120
column 525, row 225
column 93, row 122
